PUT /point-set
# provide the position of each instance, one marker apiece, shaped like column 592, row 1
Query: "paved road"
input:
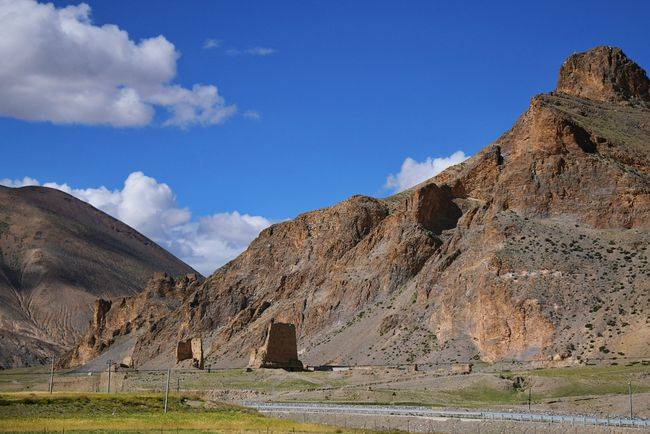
column 391, row 410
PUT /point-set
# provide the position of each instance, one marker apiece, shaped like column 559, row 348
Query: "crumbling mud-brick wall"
column 280, row 349
column 190, row 349
column 196, row 344
column 461, row 368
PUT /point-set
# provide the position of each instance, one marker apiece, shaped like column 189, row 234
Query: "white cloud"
column 60, row 67
column 252, row 114
column 254, row 51
column 413, row 172
column 209, row 44
column 216, row 239
column 260, row 51
column 19, row 182
column 149, row 206
column 202, row 105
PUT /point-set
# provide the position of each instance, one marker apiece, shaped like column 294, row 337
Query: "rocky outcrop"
column 534, row 247
column 503, row 328
column 129, row 319
column 99, row 313
column 433, row 208
column 604, row 74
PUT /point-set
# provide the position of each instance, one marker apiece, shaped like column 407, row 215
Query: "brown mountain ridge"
column 535, row 248
column 57, row 256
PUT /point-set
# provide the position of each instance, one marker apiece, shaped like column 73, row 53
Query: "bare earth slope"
column 57, row 255
column 535, row 248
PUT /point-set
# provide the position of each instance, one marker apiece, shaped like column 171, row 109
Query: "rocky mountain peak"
column 534, row 249
column 604, row 73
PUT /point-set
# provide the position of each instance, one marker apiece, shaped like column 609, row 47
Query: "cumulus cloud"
column 62, row 68
column 149, row 206
column 19, row 182
column 216, row 239
column 414, row 172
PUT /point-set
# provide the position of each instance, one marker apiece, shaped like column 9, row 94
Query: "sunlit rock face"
column 533, row 249
column 604, row 74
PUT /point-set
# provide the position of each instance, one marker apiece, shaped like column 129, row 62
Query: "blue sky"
column 345, row 92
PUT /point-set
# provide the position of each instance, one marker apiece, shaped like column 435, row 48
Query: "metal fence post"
column 51, row 385
column 169, row 371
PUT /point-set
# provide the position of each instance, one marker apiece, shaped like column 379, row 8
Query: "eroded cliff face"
column 532, row 249
column 123, row 327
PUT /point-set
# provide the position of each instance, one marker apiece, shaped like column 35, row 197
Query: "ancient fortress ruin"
column 190, row 349
column 279, row 350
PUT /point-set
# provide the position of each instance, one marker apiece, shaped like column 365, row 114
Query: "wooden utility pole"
column 169, row 371
column 629, row 392
column 110, row 367
column 51, row 386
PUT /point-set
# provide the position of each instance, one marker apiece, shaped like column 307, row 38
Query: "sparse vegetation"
column 134, row 412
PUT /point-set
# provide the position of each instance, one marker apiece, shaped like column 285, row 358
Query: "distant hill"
column 535, row 249
column 57, row 256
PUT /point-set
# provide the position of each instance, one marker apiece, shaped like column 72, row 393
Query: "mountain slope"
column 57, row 255
column 533, row 249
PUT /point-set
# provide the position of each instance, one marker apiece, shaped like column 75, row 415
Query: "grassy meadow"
column 41, row 412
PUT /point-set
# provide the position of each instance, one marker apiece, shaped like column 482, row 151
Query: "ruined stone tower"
column 279, row 350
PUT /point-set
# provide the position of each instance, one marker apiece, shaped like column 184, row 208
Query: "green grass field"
column 588, row 380
column 32, row 412
column 609, row 373
column 477, row 392
column 487, row 389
